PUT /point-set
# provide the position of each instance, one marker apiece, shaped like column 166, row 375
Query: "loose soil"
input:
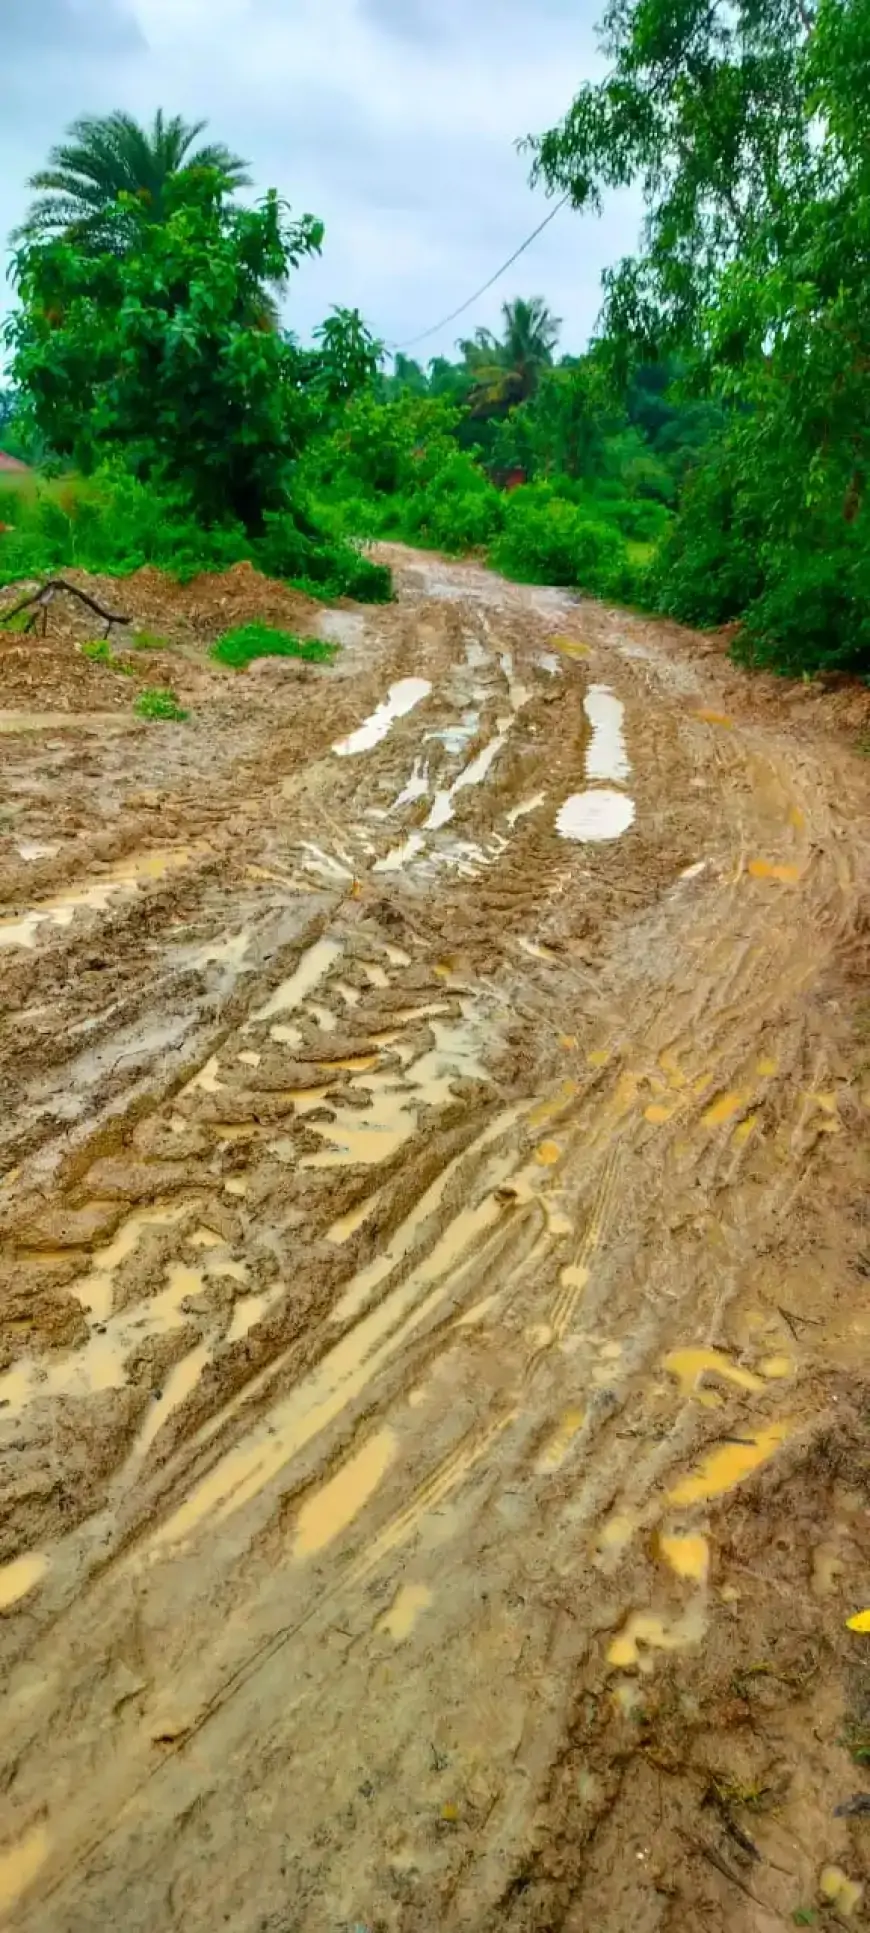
column 434, row 1329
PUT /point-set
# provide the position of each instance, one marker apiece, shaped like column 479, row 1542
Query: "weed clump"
column 239, row 647
column 159, row 702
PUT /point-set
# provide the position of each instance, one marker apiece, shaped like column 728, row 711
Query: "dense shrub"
column 115, row 524
column 548, row 541
column 813, row 613
column 709, row 566
column 457, row 509
column 802, row 592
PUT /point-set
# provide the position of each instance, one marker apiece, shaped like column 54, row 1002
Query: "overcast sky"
column 393, row 120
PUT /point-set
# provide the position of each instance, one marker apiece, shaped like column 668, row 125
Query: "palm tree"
column 507, row 372
column 105, row 156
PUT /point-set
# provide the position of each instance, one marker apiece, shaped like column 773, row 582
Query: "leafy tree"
column 153, row 350
column 406, row 375
column 709, row 107
column 746, row 122
column 506, row 371
column 564, row 428
column 105, row 157
column 349, row 355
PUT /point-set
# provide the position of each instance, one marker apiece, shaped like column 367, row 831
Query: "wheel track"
column 513, row 1266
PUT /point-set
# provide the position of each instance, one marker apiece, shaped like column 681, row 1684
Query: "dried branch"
column 37, row 602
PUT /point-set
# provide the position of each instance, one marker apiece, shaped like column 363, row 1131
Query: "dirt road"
column 435, row 1325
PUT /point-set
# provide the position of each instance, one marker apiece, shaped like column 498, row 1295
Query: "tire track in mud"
column 431, row 1260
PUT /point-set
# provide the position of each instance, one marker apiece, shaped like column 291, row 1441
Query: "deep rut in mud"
column 433, row 1412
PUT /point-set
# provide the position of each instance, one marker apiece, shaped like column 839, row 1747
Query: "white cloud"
column 394, row 120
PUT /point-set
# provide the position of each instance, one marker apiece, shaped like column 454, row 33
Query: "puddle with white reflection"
column 323, row 864
column 324, row 1016
column 207, row 1079
column 123, row 878
column 229, row 952
column 454, row 738
column 401, row 698
column 607, row 757
column 518, row 694
column 36, row 849
column 417, row 786
column 313, row 967
column 442, row 810
column 399, row 856
column 595, row 815
column 525, row 807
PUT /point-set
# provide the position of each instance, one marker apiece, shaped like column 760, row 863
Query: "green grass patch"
column 148, row 641
column 99, row 651
column 157, row 702
column 241, row 646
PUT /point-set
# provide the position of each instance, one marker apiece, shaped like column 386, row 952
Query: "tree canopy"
column 103, row 157
column 746, row 124
column 155, row 350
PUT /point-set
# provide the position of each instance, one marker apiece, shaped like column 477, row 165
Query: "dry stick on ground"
column 40, row 599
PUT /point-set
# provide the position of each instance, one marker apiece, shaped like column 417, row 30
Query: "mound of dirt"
column 209, row 604
column 49, row 674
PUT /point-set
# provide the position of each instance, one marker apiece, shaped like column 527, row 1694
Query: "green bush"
column 294, row 547
column 813, row 613
column 241, row 646
column 797, row 576
column 158, row 702
column 709, row 567
column 548, row 541
column 456, row 510
column 114, row 523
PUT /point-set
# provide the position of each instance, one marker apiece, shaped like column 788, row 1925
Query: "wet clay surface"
column 434, row 1331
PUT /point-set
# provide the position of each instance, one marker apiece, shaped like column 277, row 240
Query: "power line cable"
column 455, row 313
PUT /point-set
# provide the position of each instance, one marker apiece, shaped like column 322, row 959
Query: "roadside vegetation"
column 238, row 648
column 706, row 457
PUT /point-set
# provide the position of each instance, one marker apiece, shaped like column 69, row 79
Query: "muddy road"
column 434, row 1328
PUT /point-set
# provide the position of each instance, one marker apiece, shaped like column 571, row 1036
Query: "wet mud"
column 433, row 1331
